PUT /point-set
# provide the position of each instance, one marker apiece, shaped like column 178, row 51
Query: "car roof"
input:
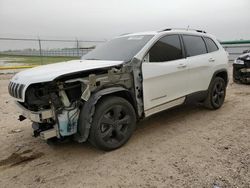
column 169, row 31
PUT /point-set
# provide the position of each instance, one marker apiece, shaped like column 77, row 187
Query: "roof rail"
column 124, row 34
column 186, row 29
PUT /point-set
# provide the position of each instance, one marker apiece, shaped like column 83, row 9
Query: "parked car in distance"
column 241, row 69
column 246, row 51
column 133, row 76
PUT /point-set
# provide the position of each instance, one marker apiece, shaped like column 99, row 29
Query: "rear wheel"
column 113, row 123
column 216, row 94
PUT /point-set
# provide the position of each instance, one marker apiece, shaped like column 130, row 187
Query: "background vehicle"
column 100, row 97
column 241, row 69
column 246, row 51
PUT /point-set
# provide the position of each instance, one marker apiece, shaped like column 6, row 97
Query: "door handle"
column 211, row 60
column 182, row 65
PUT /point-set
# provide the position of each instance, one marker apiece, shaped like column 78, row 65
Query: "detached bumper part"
column 45, row 131
column 48, row 134
column 38, row 117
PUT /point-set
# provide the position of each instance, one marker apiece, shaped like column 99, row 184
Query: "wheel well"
column 223, row 75
column 123, row 94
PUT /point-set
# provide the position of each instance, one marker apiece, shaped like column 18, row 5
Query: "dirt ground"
column 188, row 146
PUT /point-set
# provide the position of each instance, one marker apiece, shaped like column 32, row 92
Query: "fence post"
column 40, row 50
column 77, row 47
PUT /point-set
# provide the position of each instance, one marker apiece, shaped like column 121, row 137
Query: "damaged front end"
column 241, row 69
column 65, row 106
column 52, row 107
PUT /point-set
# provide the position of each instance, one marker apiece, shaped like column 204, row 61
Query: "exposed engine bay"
column 58, row 104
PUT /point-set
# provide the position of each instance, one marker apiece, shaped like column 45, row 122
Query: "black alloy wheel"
column 216, row 94
column 113, row 123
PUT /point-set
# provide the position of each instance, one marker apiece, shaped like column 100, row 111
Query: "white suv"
column 101, row 97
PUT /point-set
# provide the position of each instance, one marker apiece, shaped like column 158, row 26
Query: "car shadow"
column 148, row 126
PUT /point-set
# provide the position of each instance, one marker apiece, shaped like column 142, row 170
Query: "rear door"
column 165, row 75
column 199, row 63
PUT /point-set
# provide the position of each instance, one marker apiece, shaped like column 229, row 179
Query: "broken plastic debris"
column 16, row 130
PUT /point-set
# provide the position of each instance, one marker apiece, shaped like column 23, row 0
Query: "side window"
column 211, row 46
column 166, row 49
column 194, row 45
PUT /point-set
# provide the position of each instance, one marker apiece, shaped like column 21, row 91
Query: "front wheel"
column 216, row 94
column 113, row 123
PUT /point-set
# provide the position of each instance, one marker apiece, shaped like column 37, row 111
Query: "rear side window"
column 166, row 49
column 194, row 45
column 211, row 46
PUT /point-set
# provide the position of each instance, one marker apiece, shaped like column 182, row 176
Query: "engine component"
column 68, row 116
column 68, row 120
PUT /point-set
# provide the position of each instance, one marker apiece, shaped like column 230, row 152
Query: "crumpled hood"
column 245, row 56
column 46, row 73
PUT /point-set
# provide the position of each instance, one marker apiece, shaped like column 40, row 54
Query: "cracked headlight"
column 239, row 62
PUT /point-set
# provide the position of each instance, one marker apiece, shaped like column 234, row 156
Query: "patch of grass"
column 35, row 60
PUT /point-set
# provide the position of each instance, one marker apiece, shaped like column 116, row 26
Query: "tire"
column 216, row 94
column 113, row 123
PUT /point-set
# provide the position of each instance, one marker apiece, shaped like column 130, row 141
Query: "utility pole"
column 77, row 46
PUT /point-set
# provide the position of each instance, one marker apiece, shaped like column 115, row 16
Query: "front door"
column 165, row 75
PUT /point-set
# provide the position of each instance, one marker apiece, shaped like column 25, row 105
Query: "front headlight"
column 239, row 62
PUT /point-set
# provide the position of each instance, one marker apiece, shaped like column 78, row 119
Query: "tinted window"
column 166, row 49
column 211, row 46
column 194, row 45
column 119, row 49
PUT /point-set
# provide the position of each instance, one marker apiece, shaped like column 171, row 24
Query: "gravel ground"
column 188, row 146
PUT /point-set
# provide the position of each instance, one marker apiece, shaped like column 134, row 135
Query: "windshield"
column 119, row 49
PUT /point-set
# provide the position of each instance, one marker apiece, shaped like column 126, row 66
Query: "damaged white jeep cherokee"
column 101, row 97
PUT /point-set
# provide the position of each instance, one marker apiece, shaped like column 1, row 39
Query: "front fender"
column 88, row 109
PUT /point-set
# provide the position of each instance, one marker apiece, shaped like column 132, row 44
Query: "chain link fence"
column 40, row 51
